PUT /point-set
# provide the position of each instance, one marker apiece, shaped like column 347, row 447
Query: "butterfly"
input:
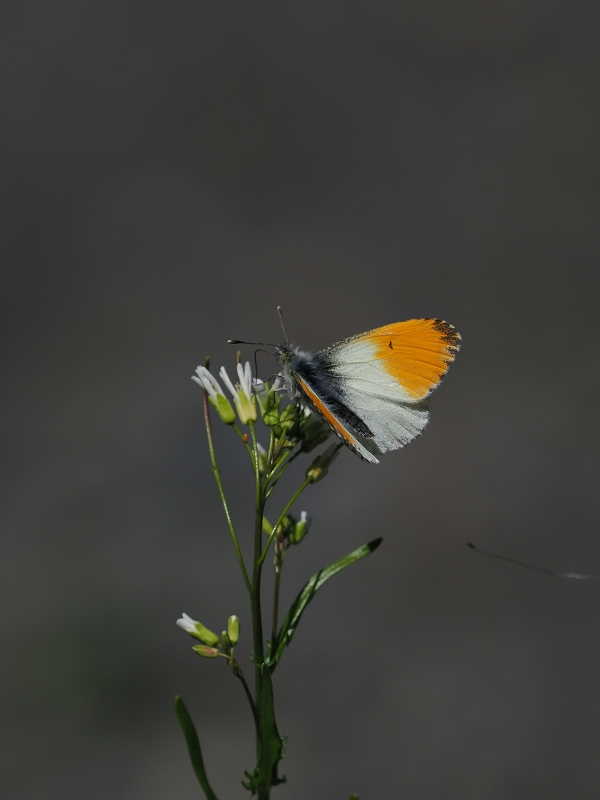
column 372, row 388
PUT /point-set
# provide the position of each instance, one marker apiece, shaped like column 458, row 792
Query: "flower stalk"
column 292, row 432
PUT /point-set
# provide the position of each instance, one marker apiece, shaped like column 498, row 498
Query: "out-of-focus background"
column 171, row 171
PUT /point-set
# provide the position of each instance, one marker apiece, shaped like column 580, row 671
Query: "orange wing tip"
column 417, row 353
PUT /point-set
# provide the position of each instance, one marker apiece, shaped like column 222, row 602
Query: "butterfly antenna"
column 243, row 341
column 256, row 352
column 280, row 312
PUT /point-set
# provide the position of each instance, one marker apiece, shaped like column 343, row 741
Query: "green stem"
column 275, row 476
column 235, row 668
column 279, row 462
column 217, row 476
column 292, row 500
column 244, row 442
column 257, row 632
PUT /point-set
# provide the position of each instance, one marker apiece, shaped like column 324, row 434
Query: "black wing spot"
column 448, row 334
column 391, row 346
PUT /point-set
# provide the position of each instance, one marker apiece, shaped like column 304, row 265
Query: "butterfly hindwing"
column 342, row 427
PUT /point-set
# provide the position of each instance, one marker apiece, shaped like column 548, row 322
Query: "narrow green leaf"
column 193, row 745
column 290, row 623
column 271, row 744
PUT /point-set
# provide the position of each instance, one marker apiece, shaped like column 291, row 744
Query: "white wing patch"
column 356, row 365
column 393, row 424
column 375, row 396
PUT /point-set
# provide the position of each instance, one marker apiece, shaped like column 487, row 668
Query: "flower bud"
column 233, row 629
column 320, row 466
column 300, row 528
column 197, row 629
column 287, row 420
column 262, row 459
column 287, row 524
column 268, row 402
column 225, row 642
column 206, row 652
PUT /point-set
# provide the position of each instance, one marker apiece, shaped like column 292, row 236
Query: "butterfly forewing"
column 403, row 361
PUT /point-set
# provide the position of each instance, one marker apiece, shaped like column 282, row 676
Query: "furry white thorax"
column 290, row 356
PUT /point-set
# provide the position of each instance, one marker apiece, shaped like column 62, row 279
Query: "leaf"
column 290, row 623
column 193, row 745
column 271, row 743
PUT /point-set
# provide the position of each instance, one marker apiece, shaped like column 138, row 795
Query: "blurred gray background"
column 170, row 172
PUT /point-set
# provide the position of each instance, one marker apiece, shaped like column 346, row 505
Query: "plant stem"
column 235, row 668
column 217, row 474
column 244, row 442
column 257, row 633
column 292, row 500
column 282, row 466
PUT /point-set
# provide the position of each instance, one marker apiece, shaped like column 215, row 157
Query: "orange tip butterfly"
column 372, row 388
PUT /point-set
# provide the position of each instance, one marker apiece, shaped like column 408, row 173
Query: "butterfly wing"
column 343, row 423
column 385, row 375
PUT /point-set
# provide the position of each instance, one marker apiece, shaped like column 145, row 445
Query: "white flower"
column 244, row 400
column 204, row 379
column 222, row 405
column 245, row 376
column 187, row 623
column 227, row 381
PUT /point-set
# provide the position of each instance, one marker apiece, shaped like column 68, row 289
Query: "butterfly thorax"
column 299, row 363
